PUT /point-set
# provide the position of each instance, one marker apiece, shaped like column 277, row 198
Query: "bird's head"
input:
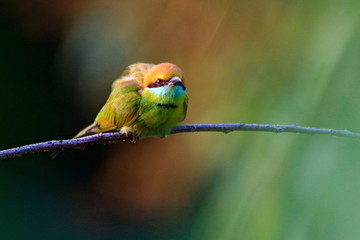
column 165, row 76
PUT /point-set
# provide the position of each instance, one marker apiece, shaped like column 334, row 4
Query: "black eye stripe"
column 152, row 85
column 159, row 82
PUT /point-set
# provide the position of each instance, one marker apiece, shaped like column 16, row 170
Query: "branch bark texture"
column 111, row 137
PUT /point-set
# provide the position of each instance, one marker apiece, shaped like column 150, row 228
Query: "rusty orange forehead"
column 163, row 71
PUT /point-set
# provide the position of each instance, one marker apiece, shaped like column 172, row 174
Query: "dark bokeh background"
column 276, row 62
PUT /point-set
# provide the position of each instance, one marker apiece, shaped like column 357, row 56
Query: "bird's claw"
column 134, row 139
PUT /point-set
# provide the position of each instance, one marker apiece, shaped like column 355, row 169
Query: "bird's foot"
column 134, row 139
column 129, row 132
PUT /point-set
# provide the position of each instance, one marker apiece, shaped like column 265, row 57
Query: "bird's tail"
column 91, row 129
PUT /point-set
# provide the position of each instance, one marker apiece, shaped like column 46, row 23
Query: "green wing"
column 121, row 109
column 123, row 105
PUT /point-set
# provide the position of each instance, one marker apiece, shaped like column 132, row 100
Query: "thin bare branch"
column 106, row 138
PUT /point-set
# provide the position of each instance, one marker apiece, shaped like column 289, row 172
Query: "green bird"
column 147, row 100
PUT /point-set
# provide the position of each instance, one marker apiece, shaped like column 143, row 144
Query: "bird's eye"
column 159, row 81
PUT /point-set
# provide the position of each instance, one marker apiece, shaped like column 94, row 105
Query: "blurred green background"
column 275, row 62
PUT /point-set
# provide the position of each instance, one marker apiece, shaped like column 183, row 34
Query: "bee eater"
column 146, row 100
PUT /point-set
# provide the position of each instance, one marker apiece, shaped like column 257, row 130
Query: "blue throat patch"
column 167, row 91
